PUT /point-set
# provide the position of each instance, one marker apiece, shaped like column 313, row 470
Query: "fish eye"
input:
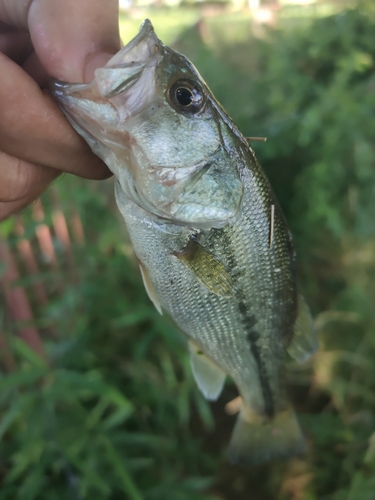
column 186, row 96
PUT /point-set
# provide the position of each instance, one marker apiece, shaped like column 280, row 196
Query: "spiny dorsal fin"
column 207, row 268
column 208, row 376
column 149, row 288
column 305, row 341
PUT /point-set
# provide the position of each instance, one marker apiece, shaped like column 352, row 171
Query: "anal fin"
column 149, row 288
column 305, row 341
column 208, row 376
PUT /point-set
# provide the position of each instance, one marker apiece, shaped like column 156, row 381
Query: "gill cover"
column 151, row 118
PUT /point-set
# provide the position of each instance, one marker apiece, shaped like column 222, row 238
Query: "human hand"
column 39, row 40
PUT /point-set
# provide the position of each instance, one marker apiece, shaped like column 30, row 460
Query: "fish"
column 212, row 243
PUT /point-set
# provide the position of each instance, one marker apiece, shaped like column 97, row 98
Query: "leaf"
column 14, row 412
column 204, row 411
column 128, row 485
column 6, row 227
column 23, row 377
column 88, row 478
column 27, row 353
column 33, row 484
column 117, row 418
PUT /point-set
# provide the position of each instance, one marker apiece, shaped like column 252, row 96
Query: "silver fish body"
column 212, row 243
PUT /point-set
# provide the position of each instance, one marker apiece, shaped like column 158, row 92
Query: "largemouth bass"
column 213, row 247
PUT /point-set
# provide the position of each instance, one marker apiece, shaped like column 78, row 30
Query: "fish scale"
column 198, row 210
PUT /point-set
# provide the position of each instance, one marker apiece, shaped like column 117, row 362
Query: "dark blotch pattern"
column 249, row 321
column 269, row 405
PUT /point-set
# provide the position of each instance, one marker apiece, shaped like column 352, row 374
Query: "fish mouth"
column 99, row 110
column 62, row 89
column 120, row 72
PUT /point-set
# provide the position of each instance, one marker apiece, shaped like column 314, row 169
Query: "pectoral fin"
column 149, row 288
column 305, row 341
column 209, row 377
column 207, row 268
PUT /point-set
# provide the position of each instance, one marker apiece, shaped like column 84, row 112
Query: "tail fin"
column 255, row 442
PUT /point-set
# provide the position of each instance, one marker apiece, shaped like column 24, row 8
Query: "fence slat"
column 18, row 302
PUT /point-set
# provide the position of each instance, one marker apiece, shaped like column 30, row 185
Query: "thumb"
column 73, row 37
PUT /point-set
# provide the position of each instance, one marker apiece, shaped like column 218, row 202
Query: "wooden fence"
column 31, row 256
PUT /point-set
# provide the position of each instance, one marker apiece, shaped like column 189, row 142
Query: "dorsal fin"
column 305, row 341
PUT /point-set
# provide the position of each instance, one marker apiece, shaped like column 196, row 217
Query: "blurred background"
column 97, row 399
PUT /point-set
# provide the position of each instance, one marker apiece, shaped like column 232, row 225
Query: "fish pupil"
column 184, row 96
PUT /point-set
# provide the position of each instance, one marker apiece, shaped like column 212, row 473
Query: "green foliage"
column 106, row 416
column 115, row 413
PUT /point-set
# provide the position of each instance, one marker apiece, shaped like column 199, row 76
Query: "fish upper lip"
column 59, row 87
